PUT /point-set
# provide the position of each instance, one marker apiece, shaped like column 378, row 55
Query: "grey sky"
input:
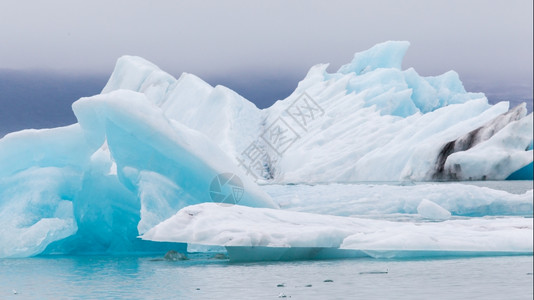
column 489, row 43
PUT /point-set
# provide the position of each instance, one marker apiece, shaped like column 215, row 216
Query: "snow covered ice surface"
column 400, row 201
column 362, row 220
column 150, row 145
column 271, row 234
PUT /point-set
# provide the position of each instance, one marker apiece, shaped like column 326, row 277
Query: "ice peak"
column 384, row 55
column 137, row 74
column 193, row 80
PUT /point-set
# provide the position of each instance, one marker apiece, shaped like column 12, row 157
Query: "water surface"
column 90, row 277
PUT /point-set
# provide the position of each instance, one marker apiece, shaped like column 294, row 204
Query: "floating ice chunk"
column 212, row 224
column 490, row 236
column 430, row 210
column 242, row 229
column 388, row 201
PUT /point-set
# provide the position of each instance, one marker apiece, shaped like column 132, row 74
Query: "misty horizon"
column 42, row 98
column 261, row 51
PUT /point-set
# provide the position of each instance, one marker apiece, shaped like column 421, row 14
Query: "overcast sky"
column 489, row 43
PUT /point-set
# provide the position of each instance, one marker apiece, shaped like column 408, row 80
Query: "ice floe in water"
column 261, row 233
column 392, row 200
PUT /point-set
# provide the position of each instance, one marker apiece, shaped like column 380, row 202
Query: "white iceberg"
column 269, row 234
column 370, row 121
column 393, row 201
column 433, row 211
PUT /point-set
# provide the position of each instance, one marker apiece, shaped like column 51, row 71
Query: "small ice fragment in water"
column 431, row 210
column 220, row 256
column 173, row 255
column 376, row 272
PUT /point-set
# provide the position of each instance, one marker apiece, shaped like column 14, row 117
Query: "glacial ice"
column 394, row 201
column 430, row 210
column 244, row 230
column 418, row 209
column 379, row 122
column 123, row 169
column 36, row 209
column 149, row 145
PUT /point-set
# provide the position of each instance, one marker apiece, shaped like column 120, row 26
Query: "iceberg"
column 369, row 121
column 433, row 211
column 270, row 234
column 121, row 170
column 402, row 201
column 150, row 145
column 390, row 221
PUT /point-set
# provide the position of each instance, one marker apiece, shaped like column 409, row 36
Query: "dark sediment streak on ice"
column 470, row 140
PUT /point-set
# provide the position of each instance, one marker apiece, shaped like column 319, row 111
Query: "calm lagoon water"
column 91, row 277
